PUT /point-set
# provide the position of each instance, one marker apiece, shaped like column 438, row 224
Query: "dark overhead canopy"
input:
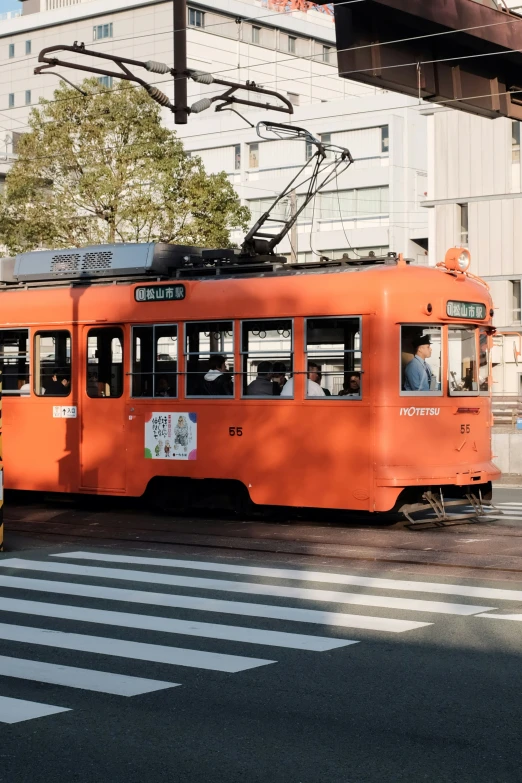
column 367, row 52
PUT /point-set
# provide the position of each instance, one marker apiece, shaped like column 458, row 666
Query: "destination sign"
column 159, row 293
column 470, row 310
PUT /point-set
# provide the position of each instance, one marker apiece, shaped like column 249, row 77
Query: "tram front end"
column 433, row 427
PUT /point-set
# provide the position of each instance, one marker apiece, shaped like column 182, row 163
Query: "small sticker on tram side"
column 65, row 412
column 159, row 293
column 171, row 435
column 420, row 411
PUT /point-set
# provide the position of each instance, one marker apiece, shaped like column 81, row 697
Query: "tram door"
column 102, row 449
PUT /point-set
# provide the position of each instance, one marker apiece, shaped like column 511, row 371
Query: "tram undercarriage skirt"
column 434, row 510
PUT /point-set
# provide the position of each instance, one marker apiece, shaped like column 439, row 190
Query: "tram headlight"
column 458, row 259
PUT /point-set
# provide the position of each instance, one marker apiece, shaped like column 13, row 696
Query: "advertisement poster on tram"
column 171, row 435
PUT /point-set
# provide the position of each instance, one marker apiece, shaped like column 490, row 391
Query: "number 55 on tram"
column 361, row 385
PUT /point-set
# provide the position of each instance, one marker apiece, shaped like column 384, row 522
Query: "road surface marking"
column 138, row 651
column 278, row 591
column 376, row 583
column 228, row 633
column 17, row 710
column 515, row 617
column 336, row 619
column 73, row 677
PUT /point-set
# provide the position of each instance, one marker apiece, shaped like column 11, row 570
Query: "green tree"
column 102, row 168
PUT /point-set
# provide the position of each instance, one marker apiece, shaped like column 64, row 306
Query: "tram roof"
column 133, row 261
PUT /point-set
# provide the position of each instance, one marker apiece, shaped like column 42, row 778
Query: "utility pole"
column 293, row 231
column 180, row 62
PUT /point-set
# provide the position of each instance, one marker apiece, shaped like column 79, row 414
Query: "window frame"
column 198, row 14
column 291, row 44
column 186, row 354
column 28, row 97
column 242, row 353
column 37, row 358
column 443, row 361
column 11, row 51
column 87, row 333
column 336, row 397
column 11, row 100
column 452, row 393
column 485, row 392
column 253, row 148
column 28, row 46
column 327, row 50
column 28, row 355
column 255, row 37
column 131, row 374
column 98, row 27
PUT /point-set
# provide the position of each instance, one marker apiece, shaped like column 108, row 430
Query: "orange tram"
column 340, row 385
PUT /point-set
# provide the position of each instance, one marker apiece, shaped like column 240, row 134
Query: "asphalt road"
column 254, row 677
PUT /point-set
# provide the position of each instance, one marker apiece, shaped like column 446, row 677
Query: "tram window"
column 421, row 352
column 155, row 360
column 52, row 363
column 209, row 357
column 462, row 360
column 333, row 352
column 105, row 362
column 484, row 359
column 14, row 361
column 266, row 357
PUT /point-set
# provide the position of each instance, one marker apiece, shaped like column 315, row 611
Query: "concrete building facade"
column 373, row 206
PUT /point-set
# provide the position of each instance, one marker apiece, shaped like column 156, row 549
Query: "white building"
column 373, row 206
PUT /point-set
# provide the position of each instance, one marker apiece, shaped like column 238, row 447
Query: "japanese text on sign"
column 469, row 310
column 159, row 293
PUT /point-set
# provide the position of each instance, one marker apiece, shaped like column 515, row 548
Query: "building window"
column 253, row 156
column 256, row 34
column 52, row 364
column 385, row 139
column 326, row 138
column 326, row 54
column 333, row 352
column 463, row 212
column 237, row 157
column 515, row 142
column 209, row 356
column 293, row 97
column 11, row 51
column 266, row 357
column 105, row 362
column 292, row 44
column 516, row 301
column 14, row 361
column 310, row 150
column 105, row 81
column 362, row 203
column 11, row 100
column 196, row 18
column 28, row 47
column 154, row 361
column 100, row 31
column 28, row 97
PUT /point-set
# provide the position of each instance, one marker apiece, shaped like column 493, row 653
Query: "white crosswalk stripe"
column 511, row 512
column 250, row 588
column 74, row 677
column 17, row 710
column 81, row 628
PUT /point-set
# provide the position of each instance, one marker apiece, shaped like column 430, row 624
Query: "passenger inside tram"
column 262, row 385
column 278, row 377
column 217, row 380
column 353, row 388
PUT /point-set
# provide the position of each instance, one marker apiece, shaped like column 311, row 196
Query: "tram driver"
column 417, row 373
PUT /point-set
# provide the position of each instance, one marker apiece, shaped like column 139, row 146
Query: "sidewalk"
column 509, row 480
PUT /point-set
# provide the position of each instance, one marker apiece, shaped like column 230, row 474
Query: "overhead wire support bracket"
column 223, row 101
